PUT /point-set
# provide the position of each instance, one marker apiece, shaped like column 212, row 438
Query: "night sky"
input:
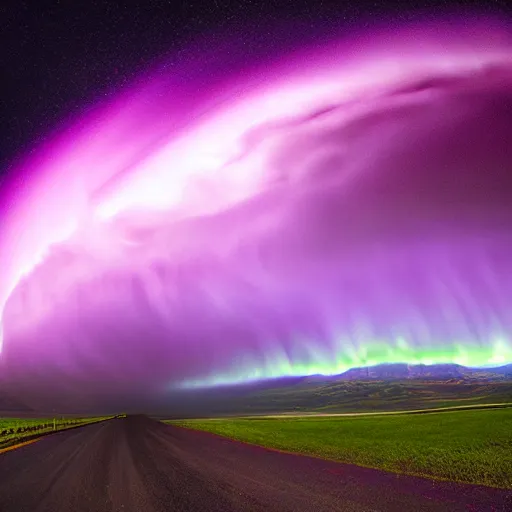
column 58, row 57
column 218, row 193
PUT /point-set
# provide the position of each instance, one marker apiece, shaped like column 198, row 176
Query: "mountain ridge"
column 405, row 371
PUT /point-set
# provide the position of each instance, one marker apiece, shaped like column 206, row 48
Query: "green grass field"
column 464, row 446
column 15, row 430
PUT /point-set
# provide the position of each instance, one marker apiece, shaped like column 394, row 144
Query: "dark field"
column 339, row 396
column 463, row 446
column 334, row 395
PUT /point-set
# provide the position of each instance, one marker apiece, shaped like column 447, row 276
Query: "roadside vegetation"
column 471, row 446
column 16, row 430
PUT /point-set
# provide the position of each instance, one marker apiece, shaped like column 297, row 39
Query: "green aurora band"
column 321, row 362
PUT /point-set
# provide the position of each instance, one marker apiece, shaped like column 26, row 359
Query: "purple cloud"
column 343, row 213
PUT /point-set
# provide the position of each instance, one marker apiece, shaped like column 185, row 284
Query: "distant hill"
column 502, row 370
column 436, row 372
column 385, row 387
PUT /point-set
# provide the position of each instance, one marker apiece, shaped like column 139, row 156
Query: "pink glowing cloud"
column 333, row 208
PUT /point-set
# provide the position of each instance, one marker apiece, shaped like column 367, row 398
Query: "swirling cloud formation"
column 336, row 208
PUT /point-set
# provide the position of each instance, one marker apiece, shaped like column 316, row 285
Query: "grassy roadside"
column 471, row 446
column 18, row 430
column 505, row 405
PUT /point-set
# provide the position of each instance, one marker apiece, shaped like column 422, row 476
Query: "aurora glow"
column 337, row 207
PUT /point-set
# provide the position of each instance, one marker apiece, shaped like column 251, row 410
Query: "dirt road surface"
column 141, row 465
